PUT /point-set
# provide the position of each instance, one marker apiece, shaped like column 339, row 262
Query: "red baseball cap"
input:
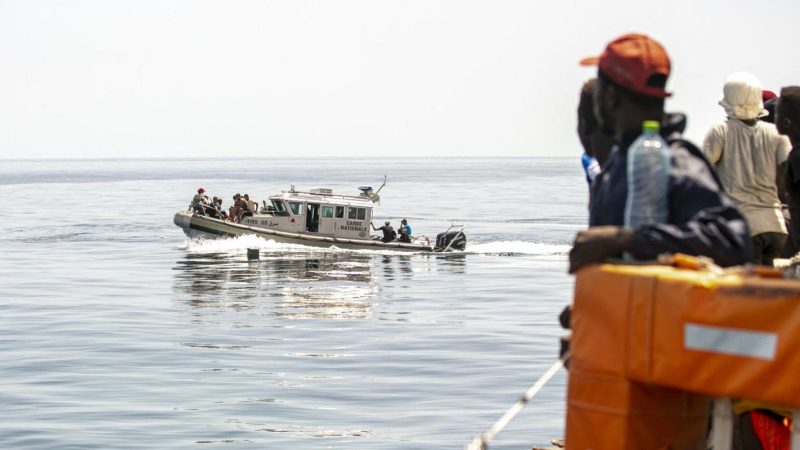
column 767, row 95
column 631, row 61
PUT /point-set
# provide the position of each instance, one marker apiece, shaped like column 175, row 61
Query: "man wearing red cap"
column 199, row 201
column 632, row 75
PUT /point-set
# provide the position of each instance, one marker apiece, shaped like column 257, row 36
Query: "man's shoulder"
column 719, row 127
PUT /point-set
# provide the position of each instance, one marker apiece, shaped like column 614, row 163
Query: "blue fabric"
column 702, row 219
column 407, row 228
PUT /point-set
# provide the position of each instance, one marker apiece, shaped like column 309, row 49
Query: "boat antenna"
column 384, row 184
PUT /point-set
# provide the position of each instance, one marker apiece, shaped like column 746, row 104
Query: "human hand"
column 596, row 244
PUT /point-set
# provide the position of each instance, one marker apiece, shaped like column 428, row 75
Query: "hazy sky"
column 164, row 78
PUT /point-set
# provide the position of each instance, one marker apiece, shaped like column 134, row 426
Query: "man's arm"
column 596, row 244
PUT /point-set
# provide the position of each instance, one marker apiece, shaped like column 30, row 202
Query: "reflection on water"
column 397, row 267
column 291, row 284
column 453, row 262
column 302, row 284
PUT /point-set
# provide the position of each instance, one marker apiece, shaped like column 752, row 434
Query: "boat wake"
column 240, row 244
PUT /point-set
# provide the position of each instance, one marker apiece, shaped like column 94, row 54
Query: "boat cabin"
column 318, row 212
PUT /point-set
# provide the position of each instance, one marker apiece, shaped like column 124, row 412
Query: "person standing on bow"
column 746, row 153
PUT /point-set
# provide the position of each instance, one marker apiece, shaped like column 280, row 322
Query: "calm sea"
column 118, row 332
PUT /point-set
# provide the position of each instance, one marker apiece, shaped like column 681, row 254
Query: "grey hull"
column 198, row 226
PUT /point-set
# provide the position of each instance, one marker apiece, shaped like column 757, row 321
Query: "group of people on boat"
column 242, row 206
column 403, row 234
column 727, row 199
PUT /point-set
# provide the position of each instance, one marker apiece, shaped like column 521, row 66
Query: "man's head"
column 386, row 223
column 742, row 97
column 247, row 196
column 201, row 190
column 770, row 100
column 632, row 75
column 404, row 222
column 787, row 113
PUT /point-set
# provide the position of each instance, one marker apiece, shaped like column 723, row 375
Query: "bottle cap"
column 651, row 126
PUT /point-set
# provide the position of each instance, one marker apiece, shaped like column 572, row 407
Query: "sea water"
column 118, row 332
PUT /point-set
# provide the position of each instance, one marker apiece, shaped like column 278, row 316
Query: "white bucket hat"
column 742, row 97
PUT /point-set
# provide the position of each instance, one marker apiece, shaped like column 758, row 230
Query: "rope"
column 482, row 442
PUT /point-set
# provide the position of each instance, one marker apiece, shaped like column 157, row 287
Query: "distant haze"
column 161, row 78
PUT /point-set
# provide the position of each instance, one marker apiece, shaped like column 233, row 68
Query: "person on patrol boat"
column 388, row 232
column 199, row 201
column 404, row 232
column 238, row 208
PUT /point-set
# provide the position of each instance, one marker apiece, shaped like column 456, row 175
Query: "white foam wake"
column 239, row 244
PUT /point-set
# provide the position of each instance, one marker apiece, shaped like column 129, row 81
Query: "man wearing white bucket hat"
column 746, row 154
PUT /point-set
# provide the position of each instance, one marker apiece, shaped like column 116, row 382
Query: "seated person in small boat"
column 238, row 209
column 404, row 231
column 252, row 205
column 218, row 206
column 244, row 204
column 388, row 232
column 215, row 209
column 200, row 201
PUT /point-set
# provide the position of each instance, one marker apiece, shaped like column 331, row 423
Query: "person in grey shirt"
column 747, row 153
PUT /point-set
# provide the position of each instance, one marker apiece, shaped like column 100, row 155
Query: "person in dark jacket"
column 787, row 119
column 632, row 75
column 388, row 232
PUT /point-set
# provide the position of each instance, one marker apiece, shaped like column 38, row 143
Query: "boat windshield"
column 279, row 206
column 297, row 208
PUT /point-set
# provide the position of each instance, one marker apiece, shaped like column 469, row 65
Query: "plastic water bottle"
column 648, row 178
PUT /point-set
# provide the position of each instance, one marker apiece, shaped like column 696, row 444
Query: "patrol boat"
column 318, row 218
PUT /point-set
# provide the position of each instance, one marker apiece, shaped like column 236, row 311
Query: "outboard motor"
column 450, row 240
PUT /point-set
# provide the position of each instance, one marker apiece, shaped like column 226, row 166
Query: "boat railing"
column 336, row 196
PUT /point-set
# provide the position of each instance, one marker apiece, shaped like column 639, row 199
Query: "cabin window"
column 279, row 206
column 327, row 212
column 296, row 207
column 357, row 213
column 340, row 212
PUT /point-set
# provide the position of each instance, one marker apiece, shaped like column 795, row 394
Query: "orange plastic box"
column 658, row 329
